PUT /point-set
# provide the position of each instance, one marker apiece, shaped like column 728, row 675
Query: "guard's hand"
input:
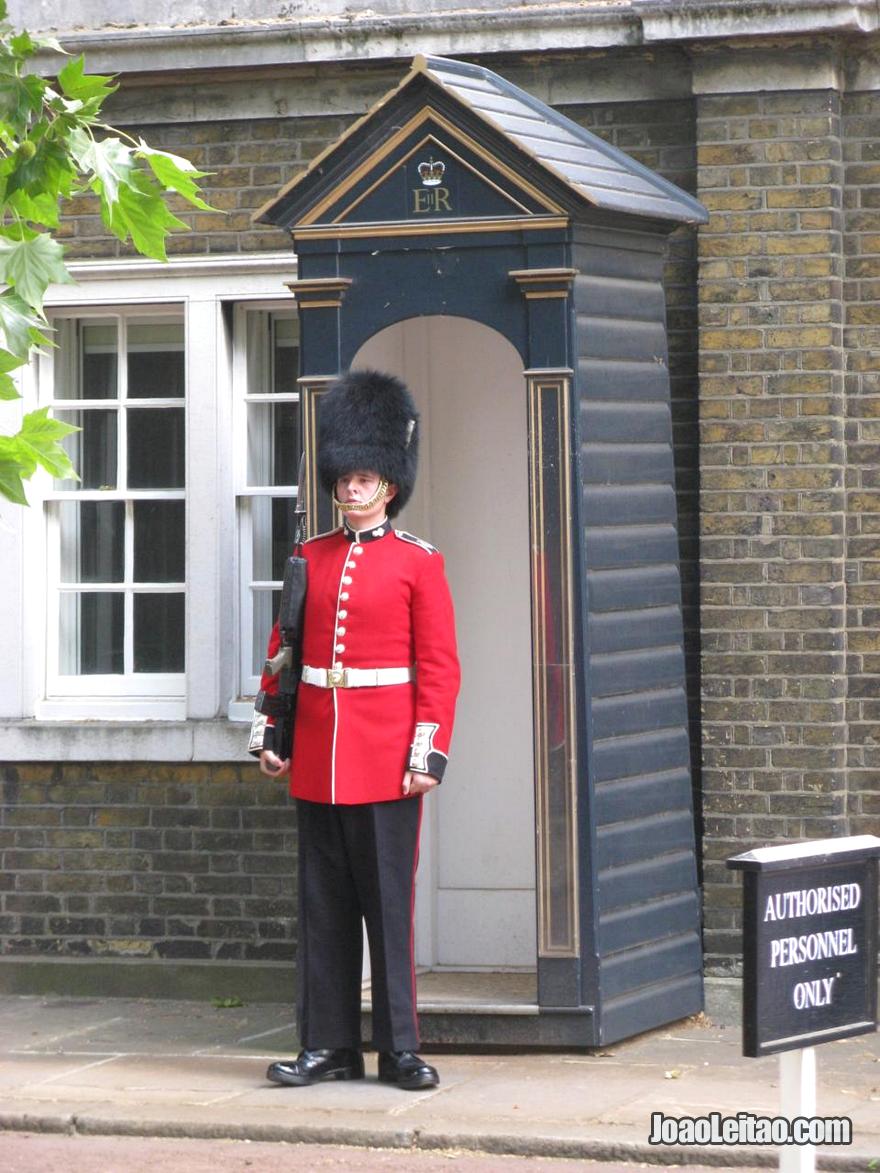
column 414, row 784
column 271, row 765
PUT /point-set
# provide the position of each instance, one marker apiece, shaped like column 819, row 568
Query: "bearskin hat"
column 367, row 420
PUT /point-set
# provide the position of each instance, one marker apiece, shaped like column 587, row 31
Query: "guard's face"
column 362, row 488
column 357, row 487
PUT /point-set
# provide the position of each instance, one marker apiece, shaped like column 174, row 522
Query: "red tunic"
column 376, row 600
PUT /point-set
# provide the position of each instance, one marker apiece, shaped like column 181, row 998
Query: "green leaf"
column 24, row 44
column 8, row 389
column 10, row 478
column 76, row 83
column 39, row 439
column 47, row 171
column 20, row 326
column 11, row 450
column 32, row 266
column 44, row 42
column 141, row 214
column 38, row 209
column 175, row 174
column 20, row 99
column 58, row 104
column 39, row 424
column 110, row 162
column 9, row 362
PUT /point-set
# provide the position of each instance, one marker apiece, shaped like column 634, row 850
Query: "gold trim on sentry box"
column 427, row 113
column 317, row 292
column 430, row 227
column 553, row 667
column 420, row 146
column 531, row 276
column 312, row 387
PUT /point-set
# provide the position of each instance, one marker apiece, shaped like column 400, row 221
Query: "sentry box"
column 809, row 943
column 508, row 265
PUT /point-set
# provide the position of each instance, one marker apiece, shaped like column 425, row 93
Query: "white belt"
column 355, row 677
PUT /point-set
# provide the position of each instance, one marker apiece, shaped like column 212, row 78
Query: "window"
column 267, row 366
column 126, row 590
column 116, row 559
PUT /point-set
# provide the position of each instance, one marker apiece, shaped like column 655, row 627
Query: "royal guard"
column 374, row 715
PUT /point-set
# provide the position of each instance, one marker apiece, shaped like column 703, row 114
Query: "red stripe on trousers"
column 412, row 919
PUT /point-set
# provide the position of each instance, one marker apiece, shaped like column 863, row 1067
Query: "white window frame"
column 171, row 687
column 203, row 287
column 246, row 494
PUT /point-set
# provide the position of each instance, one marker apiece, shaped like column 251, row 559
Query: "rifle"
column 286, row 664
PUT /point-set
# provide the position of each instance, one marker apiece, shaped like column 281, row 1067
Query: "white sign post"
column 797, row 1097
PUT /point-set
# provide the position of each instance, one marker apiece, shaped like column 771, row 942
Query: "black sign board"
column 809, row 943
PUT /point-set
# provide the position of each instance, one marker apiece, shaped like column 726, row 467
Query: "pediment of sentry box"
column 425, row 171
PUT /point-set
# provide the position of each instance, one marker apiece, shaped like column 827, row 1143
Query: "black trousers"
column 357, row 862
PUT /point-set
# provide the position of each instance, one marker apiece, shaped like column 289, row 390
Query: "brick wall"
column 180, row 862
column 248, row 160
column 772, row 472
column 861, row 292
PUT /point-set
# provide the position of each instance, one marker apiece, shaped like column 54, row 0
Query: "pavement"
column 158, row 1068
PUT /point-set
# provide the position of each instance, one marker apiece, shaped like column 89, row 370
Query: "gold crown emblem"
column 431, row 173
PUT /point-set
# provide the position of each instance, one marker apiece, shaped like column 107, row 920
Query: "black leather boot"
column 317, row 1066
column 407, row 1070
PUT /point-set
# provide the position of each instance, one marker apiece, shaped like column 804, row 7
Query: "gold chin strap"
column 354, row 507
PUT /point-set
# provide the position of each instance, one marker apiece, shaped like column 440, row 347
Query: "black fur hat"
column 367, row 420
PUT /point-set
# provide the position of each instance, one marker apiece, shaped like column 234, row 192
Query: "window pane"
column 159, row 541
column 156, row 450
column 155, row 359
column 85, row 361
column 274, row 443
column 92, row 625
column 285, row 354
column 159, row 622
column 272, row 352
column 99, row 359
column 92, row 450
column 92, row 541
column 273, row 527
column 266, row 604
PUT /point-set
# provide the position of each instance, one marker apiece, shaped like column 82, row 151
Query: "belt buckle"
column 337, row 678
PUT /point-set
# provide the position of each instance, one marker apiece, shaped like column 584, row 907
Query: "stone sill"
column 136, row 741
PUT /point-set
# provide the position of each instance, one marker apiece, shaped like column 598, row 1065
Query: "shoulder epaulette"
column 320, row 537
column 414, row 541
